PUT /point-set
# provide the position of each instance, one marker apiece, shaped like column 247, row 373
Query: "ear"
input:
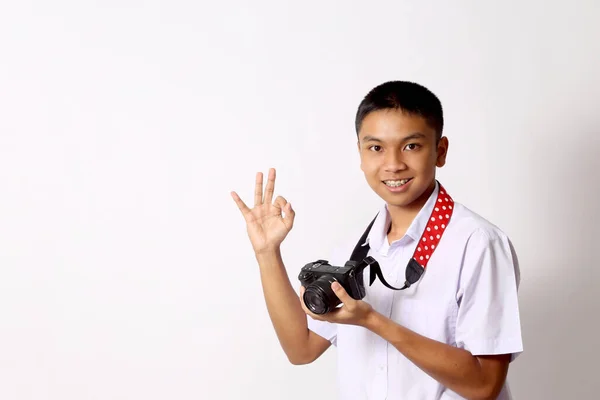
column 442, row 151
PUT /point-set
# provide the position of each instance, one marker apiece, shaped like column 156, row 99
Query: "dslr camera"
column 317, row 277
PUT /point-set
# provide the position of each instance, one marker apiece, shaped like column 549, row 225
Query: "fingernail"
column 335, row 286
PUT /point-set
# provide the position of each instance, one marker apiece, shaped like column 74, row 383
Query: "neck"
column 402, row 217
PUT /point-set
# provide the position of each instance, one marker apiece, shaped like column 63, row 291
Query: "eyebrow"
column 416, row 135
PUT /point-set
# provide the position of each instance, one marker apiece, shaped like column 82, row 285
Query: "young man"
column 454, row 331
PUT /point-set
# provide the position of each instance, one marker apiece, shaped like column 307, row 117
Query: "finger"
column 289, row 217
column 341, row 293
column 258, row 189
column 240, row 203
column 301, row 296
column 280, row 203
column 270, row 189
column 305, row 308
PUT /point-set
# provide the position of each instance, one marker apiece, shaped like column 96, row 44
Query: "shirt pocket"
column 435, row 320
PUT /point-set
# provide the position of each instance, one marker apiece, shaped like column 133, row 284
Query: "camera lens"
column 318, row 296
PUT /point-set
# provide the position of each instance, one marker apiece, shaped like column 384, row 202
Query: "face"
column 399, row 156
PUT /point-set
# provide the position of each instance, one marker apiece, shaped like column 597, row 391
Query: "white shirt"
column 467, row 297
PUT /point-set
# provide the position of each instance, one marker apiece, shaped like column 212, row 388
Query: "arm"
column 301, row 345
column 470, row 376
column 475, row 378
column 267, row 228
column 490, row 267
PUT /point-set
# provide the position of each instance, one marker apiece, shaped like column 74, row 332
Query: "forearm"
column 455, row 368
column 285, row 311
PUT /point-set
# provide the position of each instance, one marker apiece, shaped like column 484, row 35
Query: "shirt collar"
column 378, row 234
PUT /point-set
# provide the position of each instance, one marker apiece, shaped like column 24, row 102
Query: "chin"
column 400, row 203
column 396, row 200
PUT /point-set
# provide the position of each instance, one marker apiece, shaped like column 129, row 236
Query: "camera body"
column 317, row 277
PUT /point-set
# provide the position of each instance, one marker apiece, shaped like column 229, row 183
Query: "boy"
column 449, row 335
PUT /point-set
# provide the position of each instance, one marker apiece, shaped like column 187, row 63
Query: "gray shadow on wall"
column 560, row 314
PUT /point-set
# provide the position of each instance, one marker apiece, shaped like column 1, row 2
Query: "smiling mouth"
column 397, row 183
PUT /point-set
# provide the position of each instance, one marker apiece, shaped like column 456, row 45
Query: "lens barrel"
column 319, row 297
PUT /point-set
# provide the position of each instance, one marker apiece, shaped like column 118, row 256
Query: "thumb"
column 340, row 292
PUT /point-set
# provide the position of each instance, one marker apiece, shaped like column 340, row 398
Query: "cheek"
column 365, row 162
column 369, row 166
column 427, row 162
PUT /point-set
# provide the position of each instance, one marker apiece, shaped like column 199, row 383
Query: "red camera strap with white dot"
column 436, row 225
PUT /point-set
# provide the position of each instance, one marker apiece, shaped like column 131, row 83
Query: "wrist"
column 268, row 254
column 372, row 320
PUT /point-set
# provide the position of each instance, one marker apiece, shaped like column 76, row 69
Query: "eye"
column 375, row 148
column 412, row 146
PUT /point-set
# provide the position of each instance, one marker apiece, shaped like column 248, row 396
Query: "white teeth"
column 396, row 183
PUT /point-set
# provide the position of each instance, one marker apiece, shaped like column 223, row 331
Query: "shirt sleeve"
column 324, row 329
column 488, row 320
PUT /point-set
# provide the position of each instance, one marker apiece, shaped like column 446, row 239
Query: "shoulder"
column 483, row 244
column 471, row 226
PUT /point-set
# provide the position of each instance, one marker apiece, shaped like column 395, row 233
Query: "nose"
column 394, row 162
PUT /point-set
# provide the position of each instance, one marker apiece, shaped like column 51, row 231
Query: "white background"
column 125, row 269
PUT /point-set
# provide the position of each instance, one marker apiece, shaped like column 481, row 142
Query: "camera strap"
column 431, row 236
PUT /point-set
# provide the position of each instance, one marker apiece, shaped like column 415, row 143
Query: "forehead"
column 394, row 124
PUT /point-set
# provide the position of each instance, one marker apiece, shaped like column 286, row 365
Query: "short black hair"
column 409, row 97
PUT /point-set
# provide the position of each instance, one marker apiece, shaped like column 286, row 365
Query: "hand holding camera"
column 266, row 225
column 317, row 278
column 353, row 310
column 325, row 287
